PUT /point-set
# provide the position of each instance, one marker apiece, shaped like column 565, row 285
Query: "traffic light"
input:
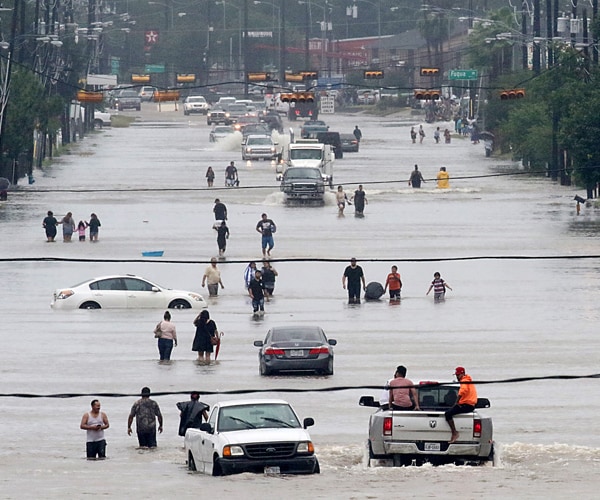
column 84, row 96
column 309, row 75
column 186, row 78
column 427, row 95
column 430, row 71
column 258, row 77
column 140, row 78
column 294, row 77
column 297, row 97
column 373, row 74
column 512, row 94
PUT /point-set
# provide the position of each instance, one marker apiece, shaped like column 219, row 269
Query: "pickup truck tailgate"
column 428, row 426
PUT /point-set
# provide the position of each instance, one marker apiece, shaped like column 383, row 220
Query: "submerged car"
column 220, row 132
column 350, row 143
column 260, row 435
column 295, row 348
column 124, row 291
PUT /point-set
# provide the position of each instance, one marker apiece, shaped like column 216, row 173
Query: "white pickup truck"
column 416, row 437
column 263, row 435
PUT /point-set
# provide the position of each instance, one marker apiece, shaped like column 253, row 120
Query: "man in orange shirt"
column 467, row 399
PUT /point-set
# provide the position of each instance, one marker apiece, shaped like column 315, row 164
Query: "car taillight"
column 319, row 350
column 477, row 428
column 270, row 351
column 387, row 426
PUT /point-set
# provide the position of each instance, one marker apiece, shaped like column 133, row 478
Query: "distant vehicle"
column 236, row 111
column 146, row 93
column 102, row 119
column 273, row 120
column 349, row 143
column 295, row 348
column 259, row 147
column 226, row 101
column 124, row 291
column 310, row 128
column 244, row 121
column 218, row 115
column 220, row 132
column 195, row 104
column 304, row 110
column 367, row 96
column 127, row 99
column 252, row 435
column 255, row 129
column 333, row 139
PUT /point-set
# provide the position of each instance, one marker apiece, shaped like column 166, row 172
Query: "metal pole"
column 307, row 35
column 282, row 58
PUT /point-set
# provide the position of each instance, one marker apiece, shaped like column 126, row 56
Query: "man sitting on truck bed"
column 467, row 399
column 403, row 395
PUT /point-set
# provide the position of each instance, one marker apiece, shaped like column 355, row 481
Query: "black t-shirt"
column 354, row 275
column 257, row 289
column 231, row 172
column 268, row 276
column 266, row 226
column 220, row 211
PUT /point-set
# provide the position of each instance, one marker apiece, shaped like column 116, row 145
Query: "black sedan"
column 349, row 143
column 295, row 348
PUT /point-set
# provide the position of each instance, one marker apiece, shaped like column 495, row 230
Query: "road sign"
column 462, row 74
column 327, row 104
column 154, row 68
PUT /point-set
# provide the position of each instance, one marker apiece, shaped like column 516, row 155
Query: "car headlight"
column 64, row 294
column 305, row 447
column 195, row 296
column 233, row 451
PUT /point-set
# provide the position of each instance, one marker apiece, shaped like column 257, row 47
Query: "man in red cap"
column 467, row 399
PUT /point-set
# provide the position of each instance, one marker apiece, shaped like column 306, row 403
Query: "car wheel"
column 180, row 304
column 317, row 468
column 217, row 470
column 97, row 123
column 139, row 108
column 264, row 370
column 329, row 370
column 401, row 460
column 89, row 305
column 185, row 113
column 191, row 463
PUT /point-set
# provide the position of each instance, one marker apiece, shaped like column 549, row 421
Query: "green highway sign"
column 462, row 74
column 154, row 68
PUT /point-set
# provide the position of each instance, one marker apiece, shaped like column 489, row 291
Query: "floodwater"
column 507, row 317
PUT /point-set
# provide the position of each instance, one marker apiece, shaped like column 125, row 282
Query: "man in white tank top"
column 94, row 422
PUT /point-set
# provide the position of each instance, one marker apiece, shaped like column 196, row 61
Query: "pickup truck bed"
column 416, row 437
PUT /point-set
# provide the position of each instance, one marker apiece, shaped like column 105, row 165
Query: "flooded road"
column 506, row 317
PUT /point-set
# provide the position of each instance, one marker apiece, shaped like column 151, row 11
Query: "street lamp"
column 224, row 4
column 352, row 11
column 280, row 36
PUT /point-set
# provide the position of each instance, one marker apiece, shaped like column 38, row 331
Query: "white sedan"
column 124, row 291
column 257, row 435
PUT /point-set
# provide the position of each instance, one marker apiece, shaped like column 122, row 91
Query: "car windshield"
column 223, row 130
column 256, row 416
column 259, row 141
column 128, row 93
column 305, row 154
column 196, row 99
column 239, row 108
column 305, row 334
column 302, row 173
